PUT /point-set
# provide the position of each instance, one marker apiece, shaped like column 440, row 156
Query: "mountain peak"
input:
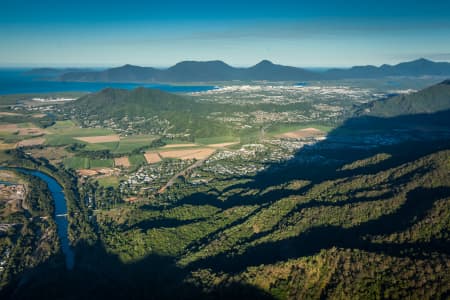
column 265, row 62
column 421, row 60
column 129, row 66
column 195, row 62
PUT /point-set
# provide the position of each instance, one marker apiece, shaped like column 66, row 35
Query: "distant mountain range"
column 55, row 71
column 195, row 71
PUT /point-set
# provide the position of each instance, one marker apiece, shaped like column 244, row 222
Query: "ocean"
column 14, row 81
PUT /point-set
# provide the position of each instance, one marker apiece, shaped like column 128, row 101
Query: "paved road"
column 182, row 173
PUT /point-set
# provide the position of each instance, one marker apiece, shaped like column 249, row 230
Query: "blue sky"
column 241, row 33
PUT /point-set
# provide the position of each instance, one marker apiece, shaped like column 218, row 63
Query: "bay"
column 15, row 81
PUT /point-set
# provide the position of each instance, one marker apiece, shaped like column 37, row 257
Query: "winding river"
column 62, row 224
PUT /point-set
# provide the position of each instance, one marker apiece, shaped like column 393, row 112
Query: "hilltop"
column 149, row 107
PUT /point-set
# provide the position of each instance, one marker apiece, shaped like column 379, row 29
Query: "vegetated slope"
column 430, row 100
column 203, row 71
column 199, row 71
column 368, row 235
column 182, row 112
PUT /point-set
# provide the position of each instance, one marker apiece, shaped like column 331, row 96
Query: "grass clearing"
column 217, row 140
column 99, row 139
column 101, row 163
column 63, row 125
column 284, row 128
column 122, row 162
column 302, row 133
column 152, row 157
column 102, row 146
column 198, row 153
column 79, row 132
column 6, row 146
column 77, row 162
column 174, row 141
column 223, row 145
column 31, row 142
column 187, row 145
column 108, row 181
column 136, row 159
column 59, row 140
column 9, row 128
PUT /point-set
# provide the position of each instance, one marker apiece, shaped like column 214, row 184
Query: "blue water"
column 60, row 214
column 14, row 81
column 6, row 182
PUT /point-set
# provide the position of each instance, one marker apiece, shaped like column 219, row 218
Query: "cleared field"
column 217, row 140
column 136, row 159
column 152, row 157
column 285, row 128
column 302, row 133
column 22, row 129
column 31, row 131
column 63, row 124
column 131, row 143
column 3, row 113
column 77, row 163
column 6, row 146
column 142, row 138
column 38, row 116
column 99, row 139
column 108, row 181
column 222, row 145
column 87, row 172
column 122, row 162
column 59, row 140
column 68, row 128
column 101, row 163
column 31, row 142
column 179, row 145
column 9, row 128
column 95, row 172
column 102, row 146
column 198, row 153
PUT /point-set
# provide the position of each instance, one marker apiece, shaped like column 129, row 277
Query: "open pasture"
column 152, row 157
column 197, row 153
column 302, row 133
column 122, row 162
column 99, row 139
column 31, row 142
